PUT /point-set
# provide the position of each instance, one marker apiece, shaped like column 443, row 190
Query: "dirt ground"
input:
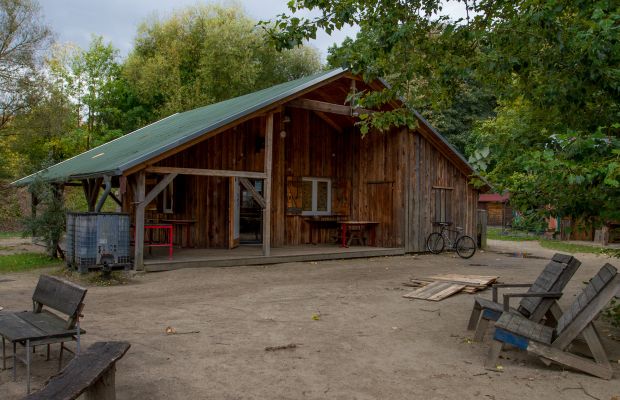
column 365, row 342
column 17, row 245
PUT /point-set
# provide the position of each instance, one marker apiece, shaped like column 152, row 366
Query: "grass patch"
column 509, row 235
column 9, row 235
column 25, row 262
column 571, row 247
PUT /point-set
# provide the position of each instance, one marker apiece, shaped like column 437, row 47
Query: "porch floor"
column 252, row 255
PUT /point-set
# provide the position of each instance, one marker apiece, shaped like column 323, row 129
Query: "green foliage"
column 612, row 313
column 512, row 235
column 25, row 262
column 530, row 222
column 10, row 234
column 11, row 211
column 39, row 137
column 91, row 78
column 551, row 65
column 427, row 61
column 571, row 247
column 205, row 54
column 49, row 222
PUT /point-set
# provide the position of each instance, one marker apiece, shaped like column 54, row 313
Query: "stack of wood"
column 438, row 287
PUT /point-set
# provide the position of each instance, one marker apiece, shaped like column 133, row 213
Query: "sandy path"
column 16, row 245
column 369, row 342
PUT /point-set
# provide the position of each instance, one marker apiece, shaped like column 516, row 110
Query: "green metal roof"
column 119, row 155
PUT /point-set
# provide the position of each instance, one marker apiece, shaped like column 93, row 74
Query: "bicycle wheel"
column 465, row 247
column 435, row 243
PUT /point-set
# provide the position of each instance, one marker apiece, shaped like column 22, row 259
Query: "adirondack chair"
column 534, row 305
column 552, row 345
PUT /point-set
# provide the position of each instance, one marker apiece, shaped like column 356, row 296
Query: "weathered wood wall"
column 428, row 168
column 499, row 214
column 384, row 177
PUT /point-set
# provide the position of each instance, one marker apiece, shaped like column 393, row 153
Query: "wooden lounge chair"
column 540, row 300
column 42, row 327
column 552, row 345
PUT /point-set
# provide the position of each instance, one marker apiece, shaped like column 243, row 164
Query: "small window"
column 316, row 196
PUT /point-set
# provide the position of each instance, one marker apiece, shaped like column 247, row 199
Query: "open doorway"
column 250, row 215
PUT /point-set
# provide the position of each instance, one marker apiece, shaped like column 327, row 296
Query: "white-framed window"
column 316, row 196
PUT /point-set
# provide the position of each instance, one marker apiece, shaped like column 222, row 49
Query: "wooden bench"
column 92, row 373
column 41, row 326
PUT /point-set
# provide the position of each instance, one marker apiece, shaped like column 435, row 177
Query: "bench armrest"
column 505, row 285
column 548, row 295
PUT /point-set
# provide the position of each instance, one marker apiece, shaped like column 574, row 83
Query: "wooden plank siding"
column 384, row 177
column 430, row 168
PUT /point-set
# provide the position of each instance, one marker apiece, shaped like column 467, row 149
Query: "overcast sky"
column 117, row 20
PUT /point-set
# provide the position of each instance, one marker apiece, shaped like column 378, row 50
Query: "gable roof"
column 125, row 152
column 494, row 198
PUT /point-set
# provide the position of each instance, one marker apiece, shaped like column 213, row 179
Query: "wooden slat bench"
column 92, row 373
column 42, row 327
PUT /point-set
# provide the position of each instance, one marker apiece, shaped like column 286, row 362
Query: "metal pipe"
column 108, row 187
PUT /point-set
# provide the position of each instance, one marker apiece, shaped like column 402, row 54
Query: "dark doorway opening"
column 251, row 215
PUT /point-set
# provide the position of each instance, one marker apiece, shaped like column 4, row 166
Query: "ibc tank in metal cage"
column 95, row 239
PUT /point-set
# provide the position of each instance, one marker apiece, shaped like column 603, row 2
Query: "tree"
column 205, row 54
column 92, row 79
column 48, row 223
column 555, row 141
column 552, row 65
column 22, row 37
column 47, row 133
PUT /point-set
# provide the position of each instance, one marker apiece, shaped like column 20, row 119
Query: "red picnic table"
column 148, row 239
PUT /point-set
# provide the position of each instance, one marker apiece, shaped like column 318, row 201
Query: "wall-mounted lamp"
column 286, row 119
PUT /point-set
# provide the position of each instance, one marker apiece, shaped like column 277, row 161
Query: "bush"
column 12, row 208
column 49, row 222
column 530, row 221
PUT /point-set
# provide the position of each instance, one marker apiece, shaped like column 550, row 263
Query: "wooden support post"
column 142, row 201
column 267, row 186
column 34, row 202
column 139, row 233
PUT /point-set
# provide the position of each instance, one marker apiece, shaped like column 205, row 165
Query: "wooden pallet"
column 435, row 291
column 469, row 284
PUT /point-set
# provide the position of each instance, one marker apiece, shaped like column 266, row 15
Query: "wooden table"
column 166, row 228
column 187, row 223
column 323, row 222
column 361, row 226
column 32, row 329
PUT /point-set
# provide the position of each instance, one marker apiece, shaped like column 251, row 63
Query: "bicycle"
column 464, row 245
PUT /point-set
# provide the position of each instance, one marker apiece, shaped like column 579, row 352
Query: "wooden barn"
column 281, row 174
column 497, row 206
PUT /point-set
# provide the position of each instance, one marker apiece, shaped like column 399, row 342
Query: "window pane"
column 306, row 196
column 321, row 196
